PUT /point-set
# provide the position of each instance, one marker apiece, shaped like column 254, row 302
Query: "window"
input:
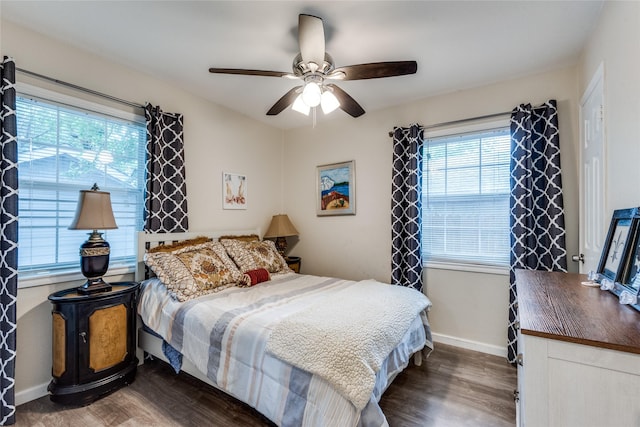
column 64, row 148
column 465, row 198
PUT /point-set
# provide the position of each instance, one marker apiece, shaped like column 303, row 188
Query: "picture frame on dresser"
column 620, row 259
column 630, row 277
column 617, row 243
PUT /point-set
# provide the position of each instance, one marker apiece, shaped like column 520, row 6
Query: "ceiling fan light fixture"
column 300, row 106
column 311, row 94
column 329, row 102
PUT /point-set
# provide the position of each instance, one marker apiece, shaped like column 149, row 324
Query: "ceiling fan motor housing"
column 302, row 69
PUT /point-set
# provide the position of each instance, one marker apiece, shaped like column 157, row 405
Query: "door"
column 592, row 174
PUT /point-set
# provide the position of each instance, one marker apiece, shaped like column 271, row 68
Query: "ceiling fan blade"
column 282, row 103
column 347, row 103
column 311, row 39
column 374, row 70
column 250, row 72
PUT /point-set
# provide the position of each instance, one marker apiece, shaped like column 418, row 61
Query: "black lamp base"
column 94, row 286
column 281, row 245
column 94, row 263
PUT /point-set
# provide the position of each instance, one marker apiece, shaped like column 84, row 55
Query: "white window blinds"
column 61, row 150
column 466, row 198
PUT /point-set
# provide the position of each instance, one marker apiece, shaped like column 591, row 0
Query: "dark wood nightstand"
column 94, row 343
column 294, row 263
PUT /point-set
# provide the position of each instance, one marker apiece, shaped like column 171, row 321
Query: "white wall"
column 615, row 42
column 471, row 307
column 216, row 140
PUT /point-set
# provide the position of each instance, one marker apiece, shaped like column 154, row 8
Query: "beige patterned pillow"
column 255, row 255
column 194, row 271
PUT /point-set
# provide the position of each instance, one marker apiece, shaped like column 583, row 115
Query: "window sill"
column 30, row 280
column 471, row 268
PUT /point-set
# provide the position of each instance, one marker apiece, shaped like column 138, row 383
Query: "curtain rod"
column 80, row 88
column 455, row 122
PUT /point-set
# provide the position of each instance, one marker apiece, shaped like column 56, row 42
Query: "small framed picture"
column 234, row 191
column 336, row 189
column 615, row 251
column 630, row 277
column 622, row 249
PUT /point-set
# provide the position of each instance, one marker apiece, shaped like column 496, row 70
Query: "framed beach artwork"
column 336, row 189
column 234, row 191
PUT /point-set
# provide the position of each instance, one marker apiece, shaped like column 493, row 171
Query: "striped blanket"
column 225, row 336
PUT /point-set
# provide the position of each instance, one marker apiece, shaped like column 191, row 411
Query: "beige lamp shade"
column 93, row 211
column 281, row 227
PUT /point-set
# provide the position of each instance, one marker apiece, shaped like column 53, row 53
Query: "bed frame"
column 146, row 341
column 152, row 344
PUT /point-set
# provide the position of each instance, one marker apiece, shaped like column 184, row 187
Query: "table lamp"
column 94, row 212
column 280, row 228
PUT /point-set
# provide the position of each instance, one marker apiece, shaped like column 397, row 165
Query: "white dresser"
column 579, row 354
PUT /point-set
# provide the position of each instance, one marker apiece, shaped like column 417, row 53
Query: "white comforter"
column 346, row 336
column 225, row 336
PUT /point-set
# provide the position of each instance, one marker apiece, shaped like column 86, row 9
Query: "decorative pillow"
column 196, row 270
column 257, row 276
column 256, row 254
column 179, row 245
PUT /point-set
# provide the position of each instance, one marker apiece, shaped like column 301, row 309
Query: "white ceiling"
column 457, row 44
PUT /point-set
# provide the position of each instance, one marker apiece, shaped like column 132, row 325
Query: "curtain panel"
column 406, row 207
column 536, row 202
column 8, row 239
column 165, row 199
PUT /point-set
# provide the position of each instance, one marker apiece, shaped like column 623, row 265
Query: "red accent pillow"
column 258, row 275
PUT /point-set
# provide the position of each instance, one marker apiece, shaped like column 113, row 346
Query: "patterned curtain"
column 406, row 207
column 537, row 208
column 8, row 239
column 165, row 199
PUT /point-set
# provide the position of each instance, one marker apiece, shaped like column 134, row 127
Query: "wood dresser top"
column 557, row 306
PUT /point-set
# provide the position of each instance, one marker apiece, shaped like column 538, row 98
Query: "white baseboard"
column 496, row 350
column 33, row 393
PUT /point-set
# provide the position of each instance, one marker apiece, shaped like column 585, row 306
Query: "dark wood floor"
column 455, row 387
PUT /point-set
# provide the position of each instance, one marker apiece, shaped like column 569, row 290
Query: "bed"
column 303, row 350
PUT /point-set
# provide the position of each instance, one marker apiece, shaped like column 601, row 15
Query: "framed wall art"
column 336, row 189
column 234, row 191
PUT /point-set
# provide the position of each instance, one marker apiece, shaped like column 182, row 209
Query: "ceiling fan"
column 315, row 67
